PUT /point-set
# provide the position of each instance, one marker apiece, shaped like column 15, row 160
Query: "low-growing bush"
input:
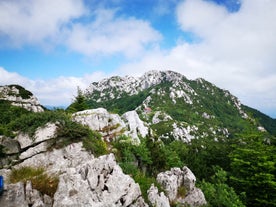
column 41, row 181
column 94, row 144
column 28, row 123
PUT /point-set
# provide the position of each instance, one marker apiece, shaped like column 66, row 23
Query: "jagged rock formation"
column 98, row 182
column 157, row 199
column 83, row 179
column 112, row 125
column 18, row 96
column 131, row 85
column 175, row 179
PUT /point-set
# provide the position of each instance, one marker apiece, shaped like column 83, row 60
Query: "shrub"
column 28, row 123
column 41, row 181
column 94, row 144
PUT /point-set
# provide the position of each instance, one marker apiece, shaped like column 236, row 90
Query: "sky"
column 51, row 47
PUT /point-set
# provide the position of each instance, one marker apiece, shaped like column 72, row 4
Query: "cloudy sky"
column 52, row 46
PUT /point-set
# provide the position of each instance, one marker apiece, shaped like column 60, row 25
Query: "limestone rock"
column 13, row 196
column 174, row 179
column 42, row 147
column 20, row 196
column 59, row 160
column 11, row 146
column 34, row 197
column 157, row 199
column 112, row 125
column 12, row 94
column 194, row 198
column 135, row 124
column 99, row 182
column 42, row 134
column 109, row 125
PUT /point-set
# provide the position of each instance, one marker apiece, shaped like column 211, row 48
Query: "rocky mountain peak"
column 18, row 96
column 119, row 86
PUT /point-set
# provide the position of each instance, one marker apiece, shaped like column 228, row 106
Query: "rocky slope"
column 83, row 179
column 19, row 96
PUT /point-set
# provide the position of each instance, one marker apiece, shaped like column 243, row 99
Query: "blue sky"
column 53, row 46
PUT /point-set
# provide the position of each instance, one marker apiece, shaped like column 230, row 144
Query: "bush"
column 41, row 181
column 94, row 144
column 28, row 123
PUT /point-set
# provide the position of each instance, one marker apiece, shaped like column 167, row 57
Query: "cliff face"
column 18, row 96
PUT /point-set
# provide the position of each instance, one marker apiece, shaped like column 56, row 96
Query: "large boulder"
column 21, row 195
column 10, row 146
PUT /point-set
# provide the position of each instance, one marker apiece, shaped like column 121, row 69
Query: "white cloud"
column 79, row 28
column 36, row 21
column 56, row 92
column 109, row 35
column 236, row 50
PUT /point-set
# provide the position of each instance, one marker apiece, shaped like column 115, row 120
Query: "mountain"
column 142, row 141
column 19, row 96
column 174, row 107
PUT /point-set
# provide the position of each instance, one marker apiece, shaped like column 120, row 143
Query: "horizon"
column 53, row 47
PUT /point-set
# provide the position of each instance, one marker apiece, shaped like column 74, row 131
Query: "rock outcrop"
column 83, row 179
column 18, row 96
column 112, row 125
column 177, row 182
column 98, row 182
column 21, row 195
column 157, row 199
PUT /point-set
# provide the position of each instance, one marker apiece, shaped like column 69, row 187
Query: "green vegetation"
column 253, row 170
column 79, row 104
column 120, row 105
column 9, row 113
column 15, row 119
column 268, row 123
column 28, row 123
column 94, row 144
column 218, row 193
column 41, row 181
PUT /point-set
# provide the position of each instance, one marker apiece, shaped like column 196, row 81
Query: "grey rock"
column 13, row 196
column 157, row 199
column 42, row 134
column 98, row 182
column 12, row 94
column 174, row 179
column 11, row 146
column 109, row 125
